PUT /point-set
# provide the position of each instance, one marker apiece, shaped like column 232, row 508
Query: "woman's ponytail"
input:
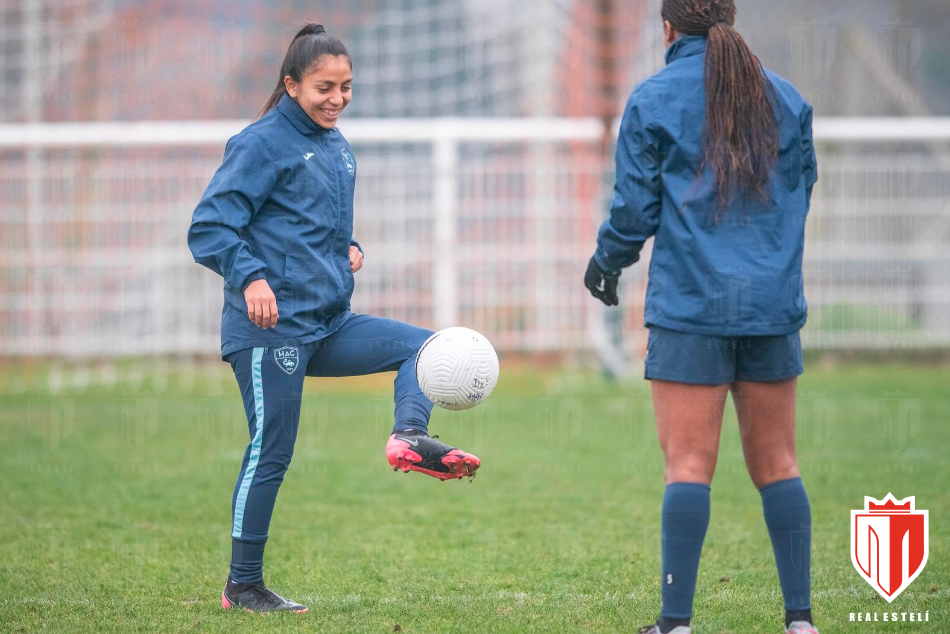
column 741, row 135
column 310, row 43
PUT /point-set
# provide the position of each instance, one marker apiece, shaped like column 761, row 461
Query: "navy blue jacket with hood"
column 280, row 208
column 740, row 274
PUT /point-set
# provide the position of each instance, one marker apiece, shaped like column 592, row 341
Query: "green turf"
column 846, row 317
column 114, row 515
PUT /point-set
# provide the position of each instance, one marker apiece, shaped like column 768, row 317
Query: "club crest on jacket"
column 349, row 162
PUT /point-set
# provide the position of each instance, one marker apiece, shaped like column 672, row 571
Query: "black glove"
column 601, row 285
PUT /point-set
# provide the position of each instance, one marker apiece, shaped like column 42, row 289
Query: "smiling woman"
column 276, row 222
column 317, row 72
column 324, row 92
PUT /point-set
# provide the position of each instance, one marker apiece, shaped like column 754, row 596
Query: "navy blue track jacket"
column 280, row 208
column 741, row 275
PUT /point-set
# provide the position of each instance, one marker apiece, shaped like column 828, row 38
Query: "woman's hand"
column 356, row 259
column 261, row 304
column 601, row 285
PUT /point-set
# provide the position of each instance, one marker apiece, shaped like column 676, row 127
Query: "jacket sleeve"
column 809, row 160
column 354, row 243
column 635, row 206
column 236, row 193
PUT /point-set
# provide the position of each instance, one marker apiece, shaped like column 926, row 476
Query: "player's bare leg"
column 688, row 423
column 766, row 414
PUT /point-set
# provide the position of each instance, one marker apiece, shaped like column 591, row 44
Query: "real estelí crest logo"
column 890, row 541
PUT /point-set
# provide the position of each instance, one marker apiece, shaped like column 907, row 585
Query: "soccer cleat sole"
column 459, row 464
column 226, row 605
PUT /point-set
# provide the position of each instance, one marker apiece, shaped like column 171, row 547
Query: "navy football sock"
column 667, row 624
column 788, row 516
column 685, row 519
column 247, row 561
column 797, row 615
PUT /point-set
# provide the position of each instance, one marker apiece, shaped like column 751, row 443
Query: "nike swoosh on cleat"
column 411, row 442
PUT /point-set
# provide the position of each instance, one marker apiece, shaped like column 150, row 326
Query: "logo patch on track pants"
column 287, row 359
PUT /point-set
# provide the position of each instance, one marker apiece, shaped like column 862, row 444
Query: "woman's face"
column 325, row 92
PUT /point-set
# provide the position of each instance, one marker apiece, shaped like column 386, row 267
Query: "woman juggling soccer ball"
column 276, row 222
column 715, row 161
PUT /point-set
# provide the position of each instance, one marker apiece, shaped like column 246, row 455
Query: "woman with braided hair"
column 715, row 161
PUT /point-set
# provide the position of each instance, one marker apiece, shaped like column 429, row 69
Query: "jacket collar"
column 686, row 46
column 295, row 114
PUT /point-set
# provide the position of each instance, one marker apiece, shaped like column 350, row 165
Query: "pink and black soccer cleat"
column 256, row 597
column 801, row 627
column 413, row 450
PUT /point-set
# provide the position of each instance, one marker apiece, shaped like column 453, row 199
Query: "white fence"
column 482, row 222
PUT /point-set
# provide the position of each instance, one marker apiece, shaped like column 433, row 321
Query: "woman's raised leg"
column 367, row 345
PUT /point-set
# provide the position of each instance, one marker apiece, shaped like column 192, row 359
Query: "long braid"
column 741, row 135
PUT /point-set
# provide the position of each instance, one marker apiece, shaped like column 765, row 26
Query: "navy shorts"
column 714, row 360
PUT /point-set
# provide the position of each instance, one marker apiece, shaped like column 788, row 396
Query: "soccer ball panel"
column 457, row 368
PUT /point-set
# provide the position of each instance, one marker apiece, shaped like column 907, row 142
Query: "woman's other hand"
column 261, row 303
column 601, row 285
column 356, row 259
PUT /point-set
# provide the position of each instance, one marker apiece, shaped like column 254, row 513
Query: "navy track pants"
column 271, row 382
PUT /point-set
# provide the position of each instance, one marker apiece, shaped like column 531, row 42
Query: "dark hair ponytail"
column 741, row 135
column 305, row 50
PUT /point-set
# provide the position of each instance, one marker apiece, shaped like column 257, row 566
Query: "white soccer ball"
column 457, row 368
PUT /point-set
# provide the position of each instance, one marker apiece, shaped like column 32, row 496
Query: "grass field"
column 117, row 489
